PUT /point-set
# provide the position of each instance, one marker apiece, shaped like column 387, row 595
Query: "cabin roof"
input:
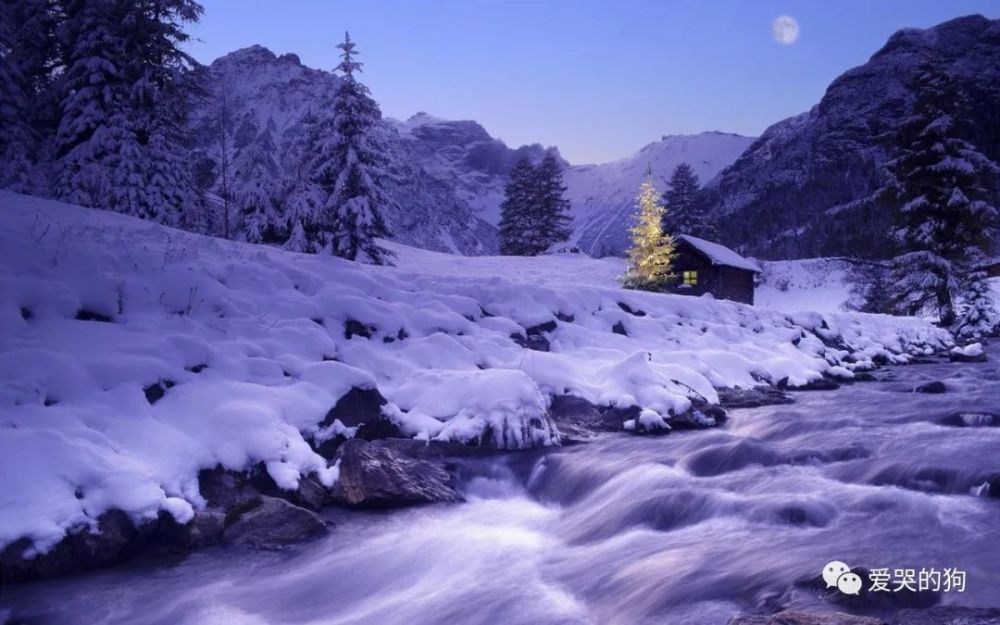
column 720, row 254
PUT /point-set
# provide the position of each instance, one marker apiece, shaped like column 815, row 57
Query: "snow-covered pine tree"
column 93, row 128
column 650, row 258
column 978, row 313
column 939, row 186
column 686, row 212
column 160, row 82
column 254, row 173
column 350, row 169
column 516, row 223
column 123, row 101
column 550, row 208
column 27, row 48
column 301, row 198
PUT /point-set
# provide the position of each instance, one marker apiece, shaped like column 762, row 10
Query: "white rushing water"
column 690, row 528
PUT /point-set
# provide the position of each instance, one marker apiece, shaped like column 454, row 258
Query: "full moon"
column 785, row 30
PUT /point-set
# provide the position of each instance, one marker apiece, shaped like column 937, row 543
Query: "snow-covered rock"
column 249, row 348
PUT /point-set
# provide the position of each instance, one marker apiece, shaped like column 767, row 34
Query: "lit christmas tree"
column 650, row 258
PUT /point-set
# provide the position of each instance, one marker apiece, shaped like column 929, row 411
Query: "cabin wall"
column 722, row 282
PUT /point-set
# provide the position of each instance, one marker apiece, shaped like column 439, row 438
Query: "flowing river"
column 689, row 528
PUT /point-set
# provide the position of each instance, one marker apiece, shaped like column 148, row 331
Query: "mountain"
column 257, row 101
column 447, row 176
column 462, row 154
column 476, row 165
column 805, row 187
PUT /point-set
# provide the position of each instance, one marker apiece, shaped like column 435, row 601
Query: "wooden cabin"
column 706, row 267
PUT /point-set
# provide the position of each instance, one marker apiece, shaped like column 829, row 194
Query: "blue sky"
column 597, row 78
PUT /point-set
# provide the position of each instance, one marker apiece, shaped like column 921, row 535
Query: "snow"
column 720, row 254
column 250, row 346
column 971, row 350
column 818, row 284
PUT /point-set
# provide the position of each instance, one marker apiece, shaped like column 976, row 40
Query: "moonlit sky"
column 597, row 78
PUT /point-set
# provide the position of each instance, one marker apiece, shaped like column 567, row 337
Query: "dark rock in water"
column 310, row 494
column 753, row 397
column 374, row 475
column 702, row 415
column 863, row 376
column 579, row 420
column 822, row 384
column 971, row 420
column 225, row 489
column 935, row 388
column 165, row 535
column 869, row 602
column 360, row 408
column 268, row 523
column 795, row 617
column 115, row 539
column 960, row 357
column 948, row 615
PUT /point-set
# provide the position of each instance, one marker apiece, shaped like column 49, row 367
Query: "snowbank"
column 132, row 356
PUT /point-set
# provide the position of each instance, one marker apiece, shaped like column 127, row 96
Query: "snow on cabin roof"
column 720, row 254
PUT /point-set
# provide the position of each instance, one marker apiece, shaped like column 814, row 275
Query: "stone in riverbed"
column 933, row 388
column 374, row 475
column 795, row 617
column 115, row 539
column 269, row 522
column 948, row 615
column 753, row 397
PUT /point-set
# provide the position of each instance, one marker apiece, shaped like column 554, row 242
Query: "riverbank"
column 691, row 528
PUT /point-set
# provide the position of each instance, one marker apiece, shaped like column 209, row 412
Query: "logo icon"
column 838, row 575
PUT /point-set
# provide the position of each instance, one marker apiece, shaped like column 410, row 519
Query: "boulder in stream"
column 269, row 522
column 375, row 475
column 796, row 617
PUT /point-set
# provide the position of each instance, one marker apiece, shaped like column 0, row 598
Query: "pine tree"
column 516, row 211
column 686, row 212
column 651, row 256
column 350, row 170
column 940, row 189
column 123, row 102
column 254, row 173
column 27, row 49
column 550, row 208
column 978, row 315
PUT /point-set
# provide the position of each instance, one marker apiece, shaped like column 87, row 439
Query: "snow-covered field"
column 251, row 347
column 818, row 284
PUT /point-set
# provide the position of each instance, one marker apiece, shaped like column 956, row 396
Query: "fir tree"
column 27, row 48
column 686, row 212
column 940, row 188
column 978, row 313
column 651, row 256
column 350, row 170
column 549, row 208
column 254, row 171
column 120, row 141
column 516, row 211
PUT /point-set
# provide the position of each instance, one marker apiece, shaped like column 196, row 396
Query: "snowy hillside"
column 132, row 356
column 820, row 284
column 603, row 196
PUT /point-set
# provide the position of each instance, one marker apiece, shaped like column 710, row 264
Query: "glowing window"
column 691, row 278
